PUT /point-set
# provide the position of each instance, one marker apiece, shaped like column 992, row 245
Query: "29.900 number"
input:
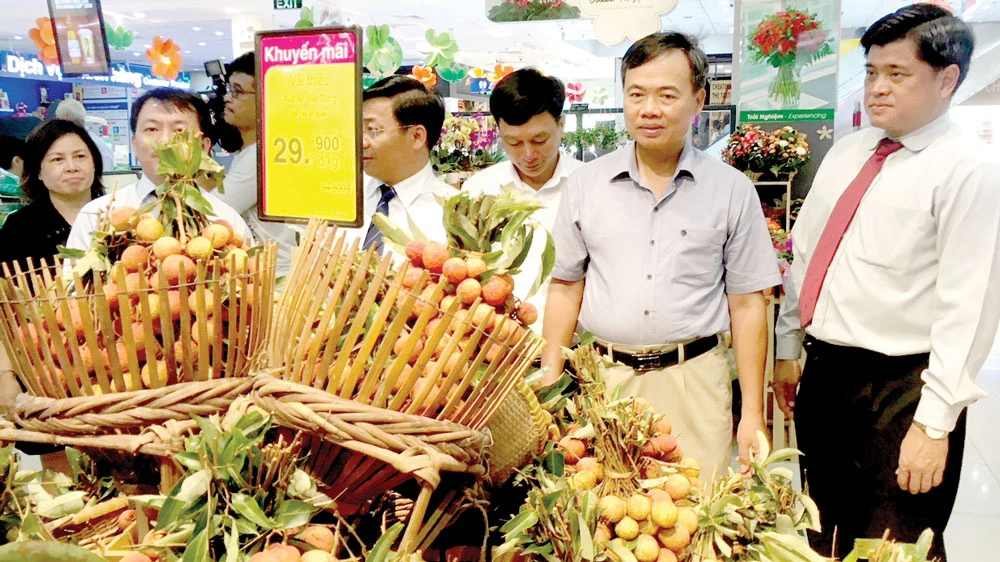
column 289, row 151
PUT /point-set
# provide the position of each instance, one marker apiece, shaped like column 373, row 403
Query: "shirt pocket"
column 893, row 237
column 699, row 256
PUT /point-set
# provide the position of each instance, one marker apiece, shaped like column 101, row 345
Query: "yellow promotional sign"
column 309, row 149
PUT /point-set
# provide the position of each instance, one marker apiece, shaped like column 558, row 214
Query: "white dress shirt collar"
column 562, row 171
column 915, row 141
column 407, row 190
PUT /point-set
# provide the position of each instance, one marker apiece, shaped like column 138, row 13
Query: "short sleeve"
column 750, row 260
column 571, row 250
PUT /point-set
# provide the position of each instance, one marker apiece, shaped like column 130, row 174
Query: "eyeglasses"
column 236, row 91
column 375, row 132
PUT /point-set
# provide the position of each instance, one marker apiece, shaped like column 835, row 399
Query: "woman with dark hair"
column 62, row 173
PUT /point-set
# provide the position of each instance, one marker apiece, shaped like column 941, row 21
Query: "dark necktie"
column 374, row 236
column 841, row 217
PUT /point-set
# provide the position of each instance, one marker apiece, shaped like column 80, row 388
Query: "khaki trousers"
column 697, row 397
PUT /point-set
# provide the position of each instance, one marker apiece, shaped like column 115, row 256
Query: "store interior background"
column 222, row 29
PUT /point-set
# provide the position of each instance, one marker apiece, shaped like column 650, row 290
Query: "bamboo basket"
column 346, row 326
column 72, row 343
column 116, row 391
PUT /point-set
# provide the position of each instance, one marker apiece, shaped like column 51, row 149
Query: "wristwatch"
column 935, row 434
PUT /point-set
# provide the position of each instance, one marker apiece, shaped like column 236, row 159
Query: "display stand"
column 768, row 191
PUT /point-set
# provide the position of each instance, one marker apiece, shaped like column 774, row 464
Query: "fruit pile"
column 157, row 298
column 654, row 522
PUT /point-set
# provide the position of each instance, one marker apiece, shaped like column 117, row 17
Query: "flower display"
column 467, row 144
column 44, row 37
column 532, row 10
column 788, row 40
column 500, row 71
column 575, row 92
column 426, row 75
column 166, row 58
column 779, row 153
column 745, row 149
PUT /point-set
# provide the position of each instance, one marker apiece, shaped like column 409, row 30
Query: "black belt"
column 651, row 361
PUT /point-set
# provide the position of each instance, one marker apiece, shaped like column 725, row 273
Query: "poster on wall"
column 80, row 38
column 786, row 75
column 788, row 59
column 309, row 129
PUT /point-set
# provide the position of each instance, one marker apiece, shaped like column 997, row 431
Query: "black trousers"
column 853, row 408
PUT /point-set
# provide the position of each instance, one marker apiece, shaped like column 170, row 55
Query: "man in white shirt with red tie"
column 894, row 289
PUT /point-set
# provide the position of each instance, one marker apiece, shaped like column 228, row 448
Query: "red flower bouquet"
column 788, row 40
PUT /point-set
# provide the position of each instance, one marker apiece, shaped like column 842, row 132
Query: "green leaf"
column 383, row 546
column 194, row 199
column 247, row 507
column 390, row 231
column 555, row 464
column 812, row 512
column 62, row 505
column 232, row 542
column 586, row 540
column 524, row 521
column 188, row 460
column 293, row 513
column 45, row 551
column 197, row 548
column 923, row 545
column 782, row 455
column 548, row 263
column 621, row 553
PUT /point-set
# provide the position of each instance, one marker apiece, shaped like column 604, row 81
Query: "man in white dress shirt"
column 401, row 123
column 894, row 288
column 240, row 186
column 527, row 106
column 157, row 116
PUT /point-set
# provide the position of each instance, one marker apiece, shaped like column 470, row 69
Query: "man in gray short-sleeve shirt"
column 659, row 250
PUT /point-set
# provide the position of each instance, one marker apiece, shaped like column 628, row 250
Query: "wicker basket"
column 120, row 392
column 378, row 404
column 90, row 340
column 518, row 431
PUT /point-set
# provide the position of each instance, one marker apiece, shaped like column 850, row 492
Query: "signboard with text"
column 309, row 129
column 80, row 38
column 17, row 65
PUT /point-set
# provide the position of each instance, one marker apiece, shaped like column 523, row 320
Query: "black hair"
column 38, row 144
column 10, row 146
column 656, row 44
column 525, row 93
column 412, row 104
column 941, row 38
column 245, row 63
column 181, row 100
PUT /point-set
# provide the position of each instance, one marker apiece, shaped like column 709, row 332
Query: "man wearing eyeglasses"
column 401, row 123
column 241, row 178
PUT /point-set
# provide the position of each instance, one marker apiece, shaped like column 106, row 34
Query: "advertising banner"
column 309, row 150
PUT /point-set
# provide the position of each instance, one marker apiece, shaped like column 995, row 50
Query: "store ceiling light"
column 219, row 34
column 201, row 43
column 232, row 10
column 196, row 28
column 138, row 15
column 135, row 54
column 18, row 38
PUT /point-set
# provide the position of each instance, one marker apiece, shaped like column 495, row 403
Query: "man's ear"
column 206, row 143
column 948, row 80
column 418, row 137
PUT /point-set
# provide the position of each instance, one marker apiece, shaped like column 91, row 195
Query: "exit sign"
column 287, row 4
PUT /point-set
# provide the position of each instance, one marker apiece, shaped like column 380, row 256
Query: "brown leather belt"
column 651, row 361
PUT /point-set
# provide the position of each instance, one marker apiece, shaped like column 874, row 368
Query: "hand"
column 746, row 438
column 921, row 461
column 787, row 374
column 554, row 361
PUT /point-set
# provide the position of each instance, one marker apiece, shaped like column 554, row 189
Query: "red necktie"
column 836, row 226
